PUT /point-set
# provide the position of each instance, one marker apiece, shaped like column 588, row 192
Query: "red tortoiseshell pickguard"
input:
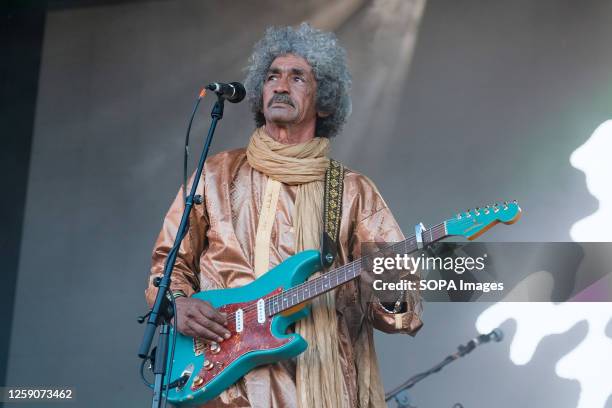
column 254, row 336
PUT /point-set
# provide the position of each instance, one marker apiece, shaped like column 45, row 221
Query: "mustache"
column 281, row 98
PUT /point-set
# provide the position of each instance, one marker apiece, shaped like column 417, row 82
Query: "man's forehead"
column 290, row 62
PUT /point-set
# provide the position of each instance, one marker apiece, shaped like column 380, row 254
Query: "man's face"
column 289, row 91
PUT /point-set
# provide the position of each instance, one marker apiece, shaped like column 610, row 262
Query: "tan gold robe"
column 218, row 252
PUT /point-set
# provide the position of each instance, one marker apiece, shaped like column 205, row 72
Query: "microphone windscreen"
column 497, row 335
column 240, row 92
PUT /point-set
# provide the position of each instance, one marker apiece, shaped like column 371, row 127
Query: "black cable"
column 171, row 363
column 186, row 151
column 144, row 379
column 185, row 159
column 176, row 249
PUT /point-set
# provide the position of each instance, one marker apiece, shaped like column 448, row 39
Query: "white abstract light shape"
column 532, row 321
column 590, row 363
column 594, row 159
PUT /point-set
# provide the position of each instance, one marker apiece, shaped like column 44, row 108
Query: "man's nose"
column 281, row 86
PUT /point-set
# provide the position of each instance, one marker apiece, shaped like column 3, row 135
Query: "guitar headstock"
column 473, row 223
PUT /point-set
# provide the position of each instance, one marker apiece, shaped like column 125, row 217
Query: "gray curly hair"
column 328, row 61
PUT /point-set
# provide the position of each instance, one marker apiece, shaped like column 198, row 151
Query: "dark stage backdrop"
column 486, row 103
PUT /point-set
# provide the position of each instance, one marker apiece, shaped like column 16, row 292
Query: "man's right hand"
column 197, row 318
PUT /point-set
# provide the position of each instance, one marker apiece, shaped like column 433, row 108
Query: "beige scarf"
column 319, row 377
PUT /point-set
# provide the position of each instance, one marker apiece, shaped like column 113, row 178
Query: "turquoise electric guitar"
column 260, row 312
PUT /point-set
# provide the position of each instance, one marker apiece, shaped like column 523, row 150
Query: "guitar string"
column 251, row 317
column 296, row 290
column 314, row 284
column 344, row 268
column 311, row 285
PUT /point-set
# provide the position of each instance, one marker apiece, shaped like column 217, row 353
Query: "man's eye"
column 298, row 79
column 270, row 77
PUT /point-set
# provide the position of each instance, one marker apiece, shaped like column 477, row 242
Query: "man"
column 263, row 204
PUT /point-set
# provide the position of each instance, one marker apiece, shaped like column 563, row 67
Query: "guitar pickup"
column 239, row 320
column 261, row 311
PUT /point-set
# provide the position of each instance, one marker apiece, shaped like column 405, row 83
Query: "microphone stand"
column 161, row 313
column 398, row 391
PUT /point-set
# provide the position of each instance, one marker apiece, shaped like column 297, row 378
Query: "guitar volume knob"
column 215, row 347
column 208, row 364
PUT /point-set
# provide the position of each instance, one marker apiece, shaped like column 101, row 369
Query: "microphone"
column 496, row 335
column 233, row 92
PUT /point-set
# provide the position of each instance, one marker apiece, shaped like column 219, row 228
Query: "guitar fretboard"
column 336, row 277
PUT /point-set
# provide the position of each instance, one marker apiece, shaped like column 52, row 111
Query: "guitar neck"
column 339, row 276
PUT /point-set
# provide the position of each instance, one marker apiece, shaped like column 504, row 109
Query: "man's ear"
column 323, row 114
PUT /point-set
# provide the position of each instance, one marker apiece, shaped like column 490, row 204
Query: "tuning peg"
column 486, row 210
column 505, row 205
column 467, row 214
column 458, row 216
column 477, row 210
column 515, row 202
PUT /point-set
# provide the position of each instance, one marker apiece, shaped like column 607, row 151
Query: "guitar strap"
column 332, row 212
